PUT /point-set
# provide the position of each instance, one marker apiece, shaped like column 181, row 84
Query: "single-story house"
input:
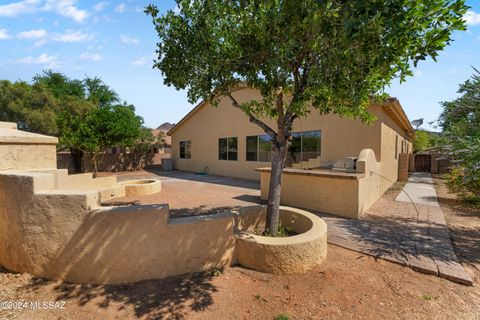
column 221, row 140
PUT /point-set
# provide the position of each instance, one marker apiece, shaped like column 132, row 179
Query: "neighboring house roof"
column 392, row 108
column 166, row 126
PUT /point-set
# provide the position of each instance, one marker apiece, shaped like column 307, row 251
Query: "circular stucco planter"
column 286, row 255
column 142, row 187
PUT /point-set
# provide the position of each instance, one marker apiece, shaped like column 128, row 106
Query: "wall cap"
column 318, row 173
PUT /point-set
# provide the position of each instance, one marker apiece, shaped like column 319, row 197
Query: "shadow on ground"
column 172, row 298
column 395, row 237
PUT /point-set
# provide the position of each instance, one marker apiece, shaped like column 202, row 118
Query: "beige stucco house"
column 221, row 140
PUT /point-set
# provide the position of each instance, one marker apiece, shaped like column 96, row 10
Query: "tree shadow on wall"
column 171, row 298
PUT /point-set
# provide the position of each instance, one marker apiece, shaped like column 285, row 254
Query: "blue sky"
column 115, row 41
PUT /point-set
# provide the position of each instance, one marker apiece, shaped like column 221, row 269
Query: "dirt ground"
column 464, row 224
column 348, row 285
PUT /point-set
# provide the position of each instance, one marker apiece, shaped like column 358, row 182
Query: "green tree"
column 425, row 140
column 330, row 55
column 460, row 121
column 60, row 85
column 99, row 129
column 33, row 108
column 99, row 93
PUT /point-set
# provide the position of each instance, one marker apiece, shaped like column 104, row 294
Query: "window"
column 228, row 148
column 265, row 148
column 259, row 148
column 185, row 149
column 252, row 148
column 304, row 146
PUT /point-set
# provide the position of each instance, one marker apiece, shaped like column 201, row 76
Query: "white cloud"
column 91, row 56
column 4, row 34
column 67, row 9
column 121, row 8
column 16, row 8
column 418, row 73
column 43, row 59
column 32, row 34
column 141, row 61
column 472, row 18
column 72, row 36
column 129, row 40
column 100, row 6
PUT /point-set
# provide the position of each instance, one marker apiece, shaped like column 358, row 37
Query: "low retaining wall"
column 64, row 234
column 287, row 255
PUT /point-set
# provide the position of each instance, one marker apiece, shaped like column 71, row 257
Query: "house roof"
column 392, row 107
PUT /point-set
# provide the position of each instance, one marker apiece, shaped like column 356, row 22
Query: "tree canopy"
column 460, row 121
column 85, row 114
column 332, row 55
column 100, row 128
column 425, row 140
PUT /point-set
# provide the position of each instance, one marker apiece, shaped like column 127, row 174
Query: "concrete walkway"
column 420, row 189
column 397, row 231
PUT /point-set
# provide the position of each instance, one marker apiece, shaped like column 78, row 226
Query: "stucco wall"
column 316, row 192
column 65, row 234
column 340, row 137
column 343, row 194
column 392, row 138
column 281, row 255
column 21, row 150
column 20, row 156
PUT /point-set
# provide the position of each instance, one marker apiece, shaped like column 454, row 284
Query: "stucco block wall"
column 20, row 150
column 346, row 195
column 341, row 137
column 25, row 157
column 65, row 234
column 332, row 195
column 392, row 139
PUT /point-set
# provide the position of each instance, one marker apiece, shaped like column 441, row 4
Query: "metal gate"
column 423, row 162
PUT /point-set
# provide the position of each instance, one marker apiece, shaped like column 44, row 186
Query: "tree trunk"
column 77, row 156
column 278, row 162
column 93, row 163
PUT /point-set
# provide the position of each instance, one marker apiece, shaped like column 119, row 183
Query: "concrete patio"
column 411, row 234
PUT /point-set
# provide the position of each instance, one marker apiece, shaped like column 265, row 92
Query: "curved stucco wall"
column 142, row 187
column 66, row 235
column 286, row 255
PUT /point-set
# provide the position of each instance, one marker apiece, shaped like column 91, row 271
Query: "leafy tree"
column 99, row 93
column 33, row 108
column 99, row 129
column 55, row 104
column 460, row 120
column 60, row 85
column 330, row 55
column 425, row 140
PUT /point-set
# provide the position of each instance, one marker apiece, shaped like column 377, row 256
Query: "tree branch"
column 253, row 119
